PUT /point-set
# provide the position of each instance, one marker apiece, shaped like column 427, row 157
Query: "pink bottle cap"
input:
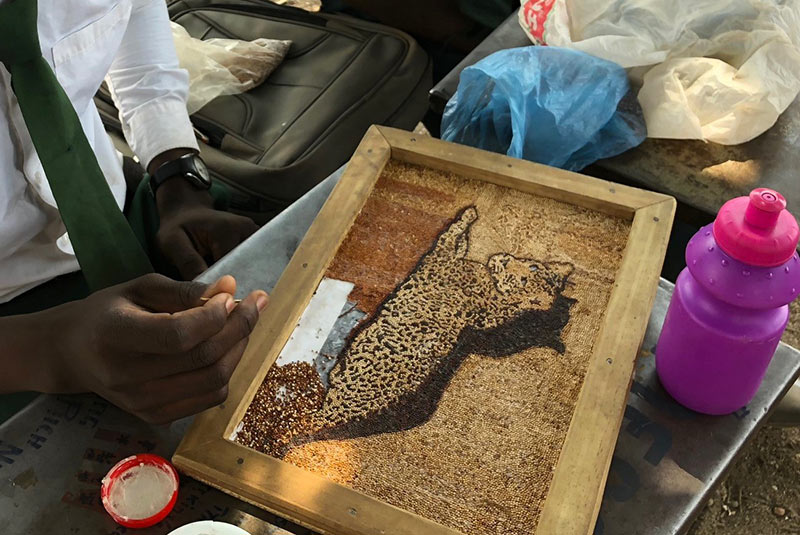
column 757, row 230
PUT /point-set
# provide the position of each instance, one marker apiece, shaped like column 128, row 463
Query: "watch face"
column 202, row 170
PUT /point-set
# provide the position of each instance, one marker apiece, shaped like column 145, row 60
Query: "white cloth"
column 84, row 41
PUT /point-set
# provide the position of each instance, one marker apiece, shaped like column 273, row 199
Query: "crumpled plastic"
column 718, row 70
column 549, row 105
column 225, row 66
column 305, row 5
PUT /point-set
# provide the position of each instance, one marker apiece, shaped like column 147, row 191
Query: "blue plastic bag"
column 550, row 105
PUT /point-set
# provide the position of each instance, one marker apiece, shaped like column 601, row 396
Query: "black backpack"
column 278, row 140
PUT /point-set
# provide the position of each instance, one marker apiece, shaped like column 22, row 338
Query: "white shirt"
column 84, row 41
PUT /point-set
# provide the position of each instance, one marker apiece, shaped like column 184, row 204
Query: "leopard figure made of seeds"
column 396, row 365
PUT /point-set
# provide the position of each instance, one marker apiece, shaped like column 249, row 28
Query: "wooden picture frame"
column 574, row 497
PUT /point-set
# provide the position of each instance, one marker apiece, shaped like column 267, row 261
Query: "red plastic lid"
column 757, row 230
column 140, row 491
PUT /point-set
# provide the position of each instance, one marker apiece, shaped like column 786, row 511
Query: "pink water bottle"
column 730, row 305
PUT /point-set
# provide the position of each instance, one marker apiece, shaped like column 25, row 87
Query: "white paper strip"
column 316, row 322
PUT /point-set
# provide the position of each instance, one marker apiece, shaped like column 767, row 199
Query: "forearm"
column 26, row 349
column 149, row 87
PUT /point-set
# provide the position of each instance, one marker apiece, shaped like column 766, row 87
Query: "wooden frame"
column 576, row 490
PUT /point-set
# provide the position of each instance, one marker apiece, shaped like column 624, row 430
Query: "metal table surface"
column 54, row 453
column 698, row 174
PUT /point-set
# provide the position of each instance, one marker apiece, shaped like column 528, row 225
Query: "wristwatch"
column 190, row 167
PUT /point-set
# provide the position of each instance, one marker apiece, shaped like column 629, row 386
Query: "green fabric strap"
column 107, row 250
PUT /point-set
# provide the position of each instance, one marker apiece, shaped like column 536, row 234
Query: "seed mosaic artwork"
column 438, row 365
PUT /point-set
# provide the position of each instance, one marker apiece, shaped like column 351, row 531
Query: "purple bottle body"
column 722, row 327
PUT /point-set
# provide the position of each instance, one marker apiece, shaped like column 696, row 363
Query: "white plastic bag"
column 306, row 5
column 224, row 66
column 719, row 70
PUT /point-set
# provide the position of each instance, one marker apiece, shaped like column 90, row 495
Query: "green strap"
column 106, row 248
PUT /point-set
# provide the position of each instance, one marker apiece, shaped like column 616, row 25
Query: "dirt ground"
column 761, row 495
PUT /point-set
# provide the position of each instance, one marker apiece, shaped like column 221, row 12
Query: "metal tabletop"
column 54, row 453
column 698, row 174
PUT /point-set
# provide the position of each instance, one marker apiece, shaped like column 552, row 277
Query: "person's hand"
column 191, row 232
column 152, row 346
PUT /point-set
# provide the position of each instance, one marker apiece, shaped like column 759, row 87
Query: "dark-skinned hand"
column 192, row 231
column 151, row 346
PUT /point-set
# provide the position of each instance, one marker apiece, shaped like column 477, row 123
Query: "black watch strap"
column 189, row 167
